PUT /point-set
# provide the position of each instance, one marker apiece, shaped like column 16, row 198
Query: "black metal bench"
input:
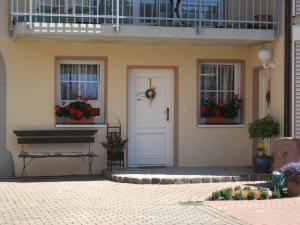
column 29, row 137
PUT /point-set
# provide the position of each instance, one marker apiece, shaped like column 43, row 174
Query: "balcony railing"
column 198, row 14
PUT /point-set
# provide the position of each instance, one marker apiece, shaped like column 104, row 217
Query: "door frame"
column 175, row 99
column 255, row 102
column 2, row 104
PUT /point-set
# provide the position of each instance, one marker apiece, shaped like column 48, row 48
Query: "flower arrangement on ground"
column 292, row 173
column 245, row 193
column 261, row 129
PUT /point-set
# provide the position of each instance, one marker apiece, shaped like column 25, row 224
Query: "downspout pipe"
column 287, row 68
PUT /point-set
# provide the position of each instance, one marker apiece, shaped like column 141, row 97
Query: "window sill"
column 221, row 126
column 81, row 126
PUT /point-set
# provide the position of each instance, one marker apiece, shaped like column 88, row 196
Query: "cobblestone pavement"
column 284, row 211
column 105, row 202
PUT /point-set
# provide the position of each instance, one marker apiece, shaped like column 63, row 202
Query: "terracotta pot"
column 219, row 120
column 293, row 187
column 81, row 121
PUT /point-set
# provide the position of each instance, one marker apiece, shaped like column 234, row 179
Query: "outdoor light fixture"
column 265, row 56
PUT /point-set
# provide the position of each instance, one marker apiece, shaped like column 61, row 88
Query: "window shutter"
column 297, row 7
column 297, row 89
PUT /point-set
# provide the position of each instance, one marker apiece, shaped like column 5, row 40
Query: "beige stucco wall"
column 30, row 96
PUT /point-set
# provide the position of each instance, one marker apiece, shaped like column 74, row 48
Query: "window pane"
column 208, row 77
column 89, row 90
column 69, row 91
column 225, row 97
column 226, row 77
column 89, row 73
column 68, row 72
column 208, row 95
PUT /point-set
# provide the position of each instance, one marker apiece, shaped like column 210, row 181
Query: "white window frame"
column 237, row 90
column 101, row 90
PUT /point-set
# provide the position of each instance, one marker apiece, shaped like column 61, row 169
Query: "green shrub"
column 247, row 188
column 226, row 193
column 239, row 196
column 264, row 128
column 264, row 194
column 215, row 195
column 251, row 195
column 276, row 193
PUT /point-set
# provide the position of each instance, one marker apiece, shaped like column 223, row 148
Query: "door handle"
column 168, row 114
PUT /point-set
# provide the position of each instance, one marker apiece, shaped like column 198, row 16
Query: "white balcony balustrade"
column 108, row 16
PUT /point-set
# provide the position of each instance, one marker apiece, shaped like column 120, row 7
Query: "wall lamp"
column 265, row 56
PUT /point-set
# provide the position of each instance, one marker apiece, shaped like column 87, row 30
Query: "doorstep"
column 184, row 175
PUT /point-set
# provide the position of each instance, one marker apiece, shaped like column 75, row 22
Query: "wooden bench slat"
column 24, row 154
column 47, row 133
column 55, row 140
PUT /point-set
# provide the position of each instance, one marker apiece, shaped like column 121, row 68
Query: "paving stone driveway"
column 264, row 212
column 105, row 202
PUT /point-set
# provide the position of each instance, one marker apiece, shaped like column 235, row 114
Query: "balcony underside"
column 140, row 34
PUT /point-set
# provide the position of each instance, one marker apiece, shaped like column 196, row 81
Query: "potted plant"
column 292, row 173
column 115, row 147
column 79, row 111
column 261, row 129
column 220, row 112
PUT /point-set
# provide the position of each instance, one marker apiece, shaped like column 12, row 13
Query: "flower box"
column 77, row 112
column 83, row 120
column 293, row 186
column 220, row 120
column 220, row 112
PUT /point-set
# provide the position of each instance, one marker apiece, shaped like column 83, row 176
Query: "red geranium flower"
column 94, row 112
column 218, row 114
column 57, row 108
column 73, row 111
column 89, row 108
column 68, row 107
column 203, row 109
column 85, row 99
column 79, row 114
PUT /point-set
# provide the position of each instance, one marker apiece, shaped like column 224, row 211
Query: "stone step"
column 180, row 179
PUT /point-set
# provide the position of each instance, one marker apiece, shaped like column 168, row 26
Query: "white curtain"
column 217, row 82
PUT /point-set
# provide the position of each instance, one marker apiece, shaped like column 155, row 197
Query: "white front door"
column 264, row 93
column 150, row 123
